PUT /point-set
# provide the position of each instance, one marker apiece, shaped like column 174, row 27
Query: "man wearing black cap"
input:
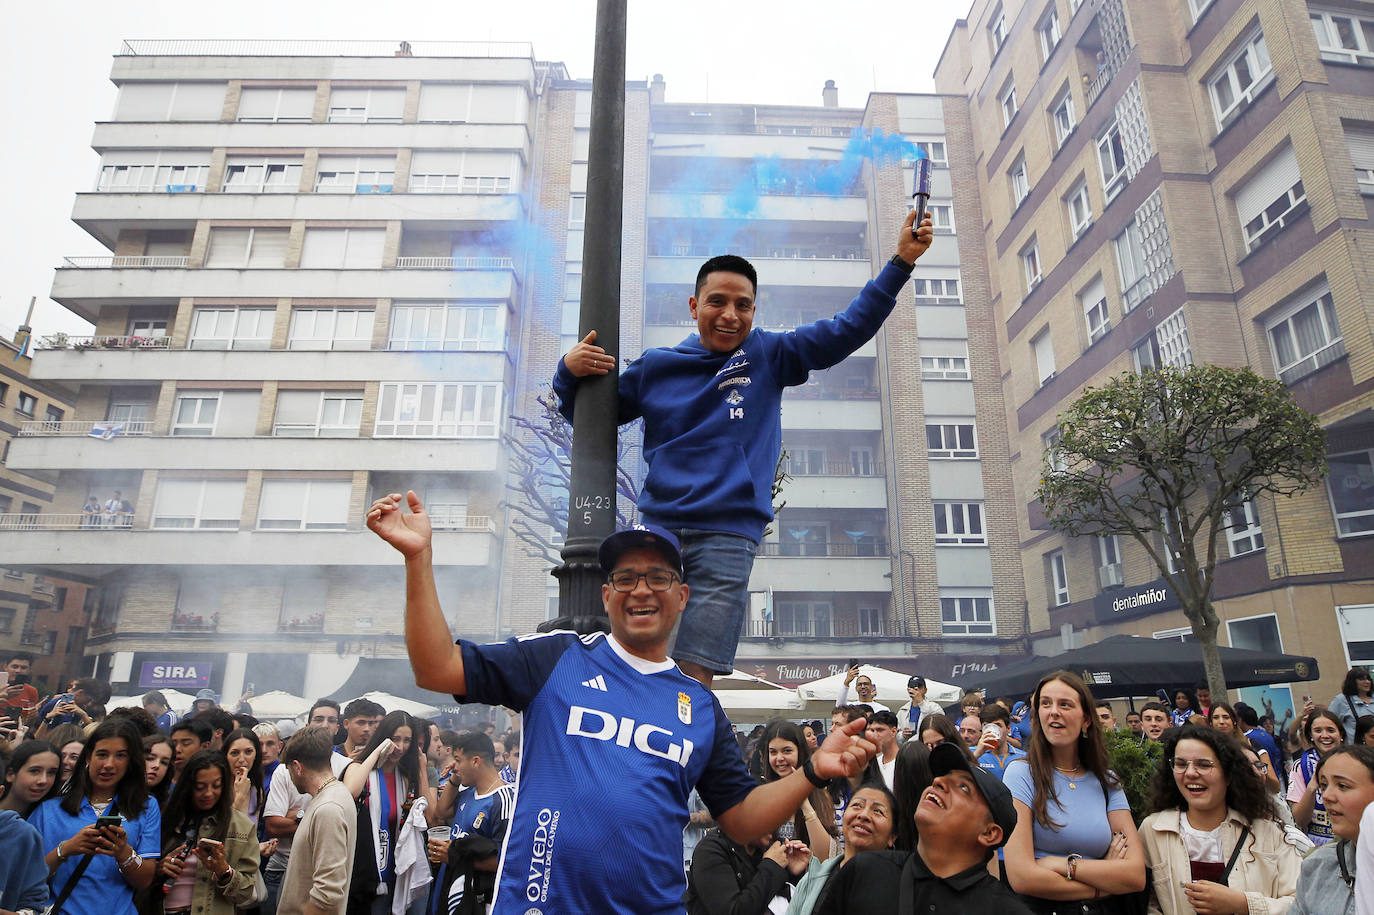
column 615, row 736
column 909, row 716
column 961, row 820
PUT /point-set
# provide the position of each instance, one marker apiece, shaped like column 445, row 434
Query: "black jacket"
column 726, row 879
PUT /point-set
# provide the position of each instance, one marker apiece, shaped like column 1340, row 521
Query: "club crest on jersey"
column 734, row 398
column 477, row 822
column 684, row 708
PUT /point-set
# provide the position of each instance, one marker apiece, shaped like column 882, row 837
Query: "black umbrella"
column 1126, row 665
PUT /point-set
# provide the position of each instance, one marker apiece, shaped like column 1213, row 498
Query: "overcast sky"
column 56, row 74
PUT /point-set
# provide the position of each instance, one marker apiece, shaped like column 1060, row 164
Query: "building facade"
column 1172, row 182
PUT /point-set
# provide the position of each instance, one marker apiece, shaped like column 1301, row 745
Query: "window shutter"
column 493, row 104
column 327, row 503
column 1277, row 176
column 364, row 248
column 298, row 407
column 198, row 102
column 281, row 500
column 1044, row 355
column 429, row 162
column 323, row 248
column 444, row 102
column 1361, row 147
column 386, row 103
column 296, row 105
column 144, row 102
column 1094, row 293
column 176, row 498
column 238, row 413
column 269, row 248
column 223, row 500
column 228, row 247
column 489, row 165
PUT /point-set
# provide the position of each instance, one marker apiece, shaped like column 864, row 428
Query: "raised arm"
column 435, row 659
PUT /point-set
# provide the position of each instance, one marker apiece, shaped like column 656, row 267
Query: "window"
column 1006, row 99
column 577, row 211
column 1166, row 345
column 198, row 504
column 1357, row 632
column 427, row 410
column 329, row 249
column 433, row 172
column 1351, row 487
column 304, row 598
column 1243, row 532
column 480, row 104
column 317, row 414
column 941, row 218
column 152, row 170
column 262, row 175
column 1344, row 37
column 1049, row 33
column 1257, row 633
column 966, row 614
column 355, row 175
column 1064, row 118
column 1239, row 79
column 304, row 505
column 997, row 29
column 803, row 618
column 1271, row 199
column 1049, row 442
column 951, row 439
column 227, row 413
column 1020, row 181
column 247, row 248
column 1030, row 263
column 4, row 393
column 944, row 360
column 140, row 101
column 1043, row 349
column 155, row 328
column 1109, row 572
column 1059, row 578
column 1080, row 210
column 27, row 405
column 1198, row 7
column 930, row 291
column 372, row 106
column 1111, row 159
column 7, row 615
column 1362, row 155
column 330, row 328
column 1304, row 335
column 870, row 621
column 935, row 152
column 959, row 524
column 861, row 463
column 232, row 328
column 1130, row 260
column 446, row 327
column 1093, row 301
column 283, row 106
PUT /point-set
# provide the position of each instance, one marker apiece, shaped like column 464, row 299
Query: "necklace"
column 1073, row 785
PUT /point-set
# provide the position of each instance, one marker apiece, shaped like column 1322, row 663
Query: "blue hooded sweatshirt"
column 23, row 872
column 713, row 421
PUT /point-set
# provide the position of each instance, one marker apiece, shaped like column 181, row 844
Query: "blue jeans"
column 717, row 567
column 273, row 880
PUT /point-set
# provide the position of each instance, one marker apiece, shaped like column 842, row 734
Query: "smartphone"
column 1163, row 695
column 19, row 679
column 4, row 679
column 65, row 697
column 851, row 664
column 214, row 842
column 102, row 822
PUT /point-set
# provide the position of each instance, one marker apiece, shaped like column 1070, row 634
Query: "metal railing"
column 789, row 253
column 1099, row 84
column 807, row 549
column 213, row 47
column 455, row 263
column 833, row 469
column 63, row 521
column 67, row 341
column 820, row 629
column 127, row 260
column 481, row 524
column 105, row 429
column 816, row 392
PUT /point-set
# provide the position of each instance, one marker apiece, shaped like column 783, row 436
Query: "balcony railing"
column 183, row 47
column 821, row 629
column 68, row 521
column 42, row 585
column 872, row 549
column 105, row 429
column 817, row 392
column 66, row 341
column 833, row 469
column 313, row 623
column 481, row 524
column 791, row 253
column 455, row 263
column 127, row 260
column 188, row 622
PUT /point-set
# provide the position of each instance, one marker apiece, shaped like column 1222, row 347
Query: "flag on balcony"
column 105, row 431
column 23, row 350
column 856, row 536
column 799, row 533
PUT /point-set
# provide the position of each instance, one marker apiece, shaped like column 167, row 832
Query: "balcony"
column 790, row 209
column 313, row 623
column 832, row 566
column 822, row 629
column 840, row 490
column 135, row 449
column 842, row 272
column 62, row 341
column 126, row 260
column 189, row 622
column 804, row 412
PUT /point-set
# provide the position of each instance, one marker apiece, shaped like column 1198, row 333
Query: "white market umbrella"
column 276, row 704
column 397, row 704
column 759, row 705
column 890, row 684
column 739, row 680
column 177, row 701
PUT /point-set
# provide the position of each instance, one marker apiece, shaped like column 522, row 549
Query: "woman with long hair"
column 910, row 779
column 1185, row 708
column 938, row 729
column 244, row 752
column 1075, row 840
column 157, row 755
column 30, row 777
column 110, row 780
column 1211, row 839
column 1364, row 731
column 1223, row 717
column 1327, row 883
column 1356, row 698
column 784, row 751
column 392, row 788
column 869, row 825
column 68, row 740
column 1322, row 732
column 209, row 847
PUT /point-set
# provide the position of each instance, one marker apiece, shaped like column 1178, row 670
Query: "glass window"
column 952, row 439
column 1020, row 181
column 1080, row 209
column 304, row 505
column 262, row 175
column 997, row 29
column 1305, row 336
column 1240, row 79
column 1351, row 487
column 1049, row 33
column 430, row 410
column 1130, row 260
column 1109, row 570
column 1064, row 117
column 198, row 504
column 1043, row 349
column 966, row 614
column 1007, row 101
column 1059, row 578
column 1093, row 301
column 1243, row 533
column 446, row 327
column 931, row 291
column 959, row 523
column 1030, row 263
column 232, row 328
column 27, row 405
column 1111, row 160
column 330, row 328
column 1344, row 37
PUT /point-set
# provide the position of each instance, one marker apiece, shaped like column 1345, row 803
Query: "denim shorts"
column 717, row 567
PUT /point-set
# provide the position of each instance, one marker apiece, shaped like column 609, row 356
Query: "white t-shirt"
column 888, row 769
column 1364, row 863
column 1201, row 846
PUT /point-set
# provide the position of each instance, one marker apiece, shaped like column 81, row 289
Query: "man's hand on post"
column 910, row 247
column 845, row 752
column 409, row 534
column 586, row 358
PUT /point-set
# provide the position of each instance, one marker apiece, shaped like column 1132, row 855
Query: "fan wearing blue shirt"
column 480, row 803
column 109, row 780
column 615, row 736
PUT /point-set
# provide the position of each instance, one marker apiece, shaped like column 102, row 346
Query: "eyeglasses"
column 1202, row 765
column 657, row 580
column 1260, row 767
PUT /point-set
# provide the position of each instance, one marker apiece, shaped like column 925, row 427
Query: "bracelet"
column 1072, row 860
column 61, row 855
column 223, row 880
column 133, row 859
column 810, row 772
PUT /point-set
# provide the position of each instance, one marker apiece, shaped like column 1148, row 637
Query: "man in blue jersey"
column 713, row 428
column 480, row 803
column 615, row 736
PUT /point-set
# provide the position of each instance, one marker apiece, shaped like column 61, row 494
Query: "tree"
column 1169, row 457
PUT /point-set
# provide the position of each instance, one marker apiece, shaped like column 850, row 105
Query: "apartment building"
column 1179, row 181
column 39, row 614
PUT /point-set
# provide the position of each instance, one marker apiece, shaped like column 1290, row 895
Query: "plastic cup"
column 437, row 833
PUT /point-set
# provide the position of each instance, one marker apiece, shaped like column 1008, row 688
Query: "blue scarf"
column 1319, row 827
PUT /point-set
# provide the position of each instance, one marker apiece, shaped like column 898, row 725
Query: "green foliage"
column 1135, row 765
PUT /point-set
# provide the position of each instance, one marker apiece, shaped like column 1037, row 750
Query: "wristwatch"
column 900, row 264
column 810, row 772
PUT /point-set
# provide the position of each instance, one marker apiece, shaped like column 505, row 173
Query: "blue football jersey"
column 613, row 746
column 475, row 814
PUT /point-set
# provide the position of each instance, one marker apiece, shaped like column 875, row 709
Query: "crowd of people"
column 136, row 811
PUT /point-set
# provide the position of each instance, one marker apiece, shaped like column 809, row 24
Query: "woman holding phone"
column 209, row 848
column 107, row 815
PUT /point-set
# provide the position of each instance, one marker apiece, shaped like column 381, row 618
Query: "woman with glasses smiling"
column 1211, row 839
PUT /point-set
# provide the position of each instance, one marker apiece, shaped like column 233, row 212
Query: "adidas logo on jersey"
column 597, row 682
